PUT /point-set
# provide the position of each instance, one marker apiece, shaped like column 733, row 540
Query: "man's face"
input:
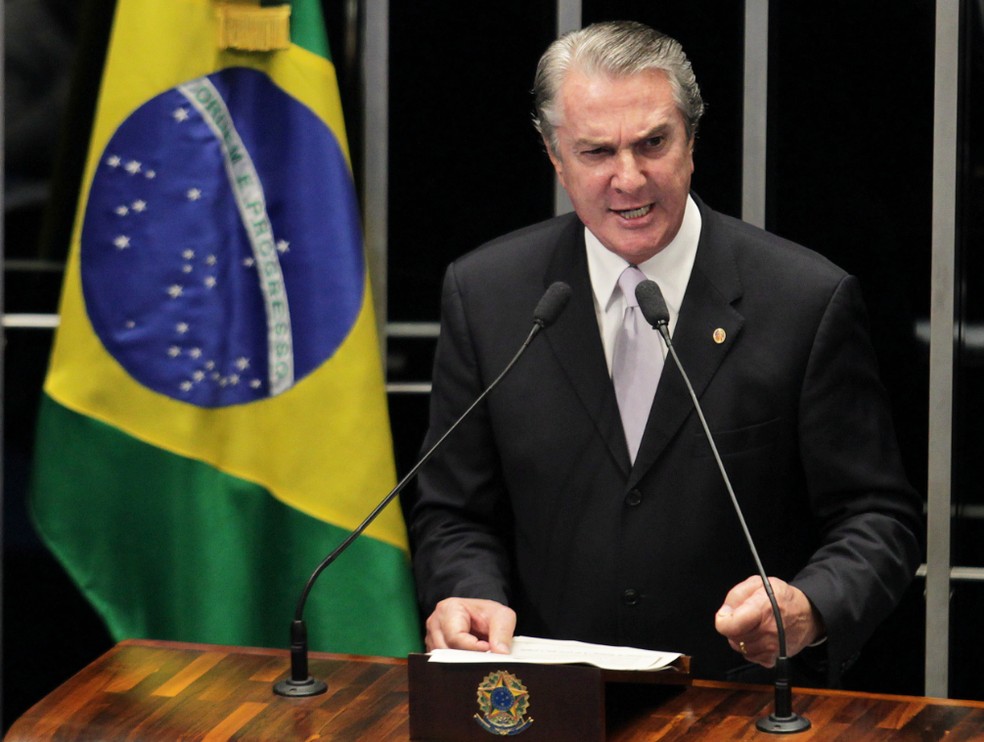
column 624, row 159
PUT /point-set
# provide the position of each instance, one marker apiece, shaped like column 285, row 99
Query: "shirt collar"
column 670, row 267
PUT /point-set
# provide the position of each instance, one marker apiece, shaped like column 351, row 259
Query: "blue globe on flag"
column 221, row 248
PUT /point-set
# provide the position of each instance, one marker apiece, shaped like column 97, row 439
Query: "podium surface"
column 152, row 690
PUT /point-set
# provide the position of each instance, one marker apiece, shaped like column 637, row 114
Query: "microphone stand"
column 300, row 683
column 783, row 720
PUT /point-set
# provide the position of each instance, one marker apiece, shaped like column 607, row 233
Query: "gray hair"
column 617, row 49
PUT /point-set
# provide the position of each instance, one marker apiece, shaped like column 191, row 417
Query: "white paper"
column 532, row 650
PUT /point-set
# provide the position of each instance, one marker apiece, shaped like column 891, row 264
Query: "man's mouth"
column 634, row 213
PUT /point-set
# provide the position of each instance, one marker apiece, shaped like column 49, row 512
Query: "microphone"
column 783, row 720
column 300, row 683
column 551, row 304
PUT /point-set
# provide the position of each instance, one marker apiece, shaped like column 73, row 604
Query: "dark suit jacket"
column 533, row 501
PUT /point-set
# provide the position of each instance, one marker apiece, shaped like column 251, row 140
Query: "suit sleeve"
column 461, row 521
column 867, row 514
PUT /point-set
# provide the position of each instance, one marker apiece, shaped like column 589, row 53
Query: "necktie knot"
column 630, row 278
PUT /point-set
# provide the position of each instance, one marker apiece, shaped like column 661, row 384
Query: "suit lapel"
column 576, row 342
column 707, row 308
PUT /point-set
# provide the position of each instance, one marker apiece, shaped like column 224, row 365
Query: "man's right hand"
column 471, row 623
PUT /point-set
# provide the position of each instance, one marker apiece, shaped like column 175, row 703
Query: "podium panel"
column 543, row 703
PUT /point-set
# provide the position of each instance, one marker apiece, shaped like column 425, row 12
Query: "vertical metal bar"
column 941, row 347
column 755, row 112
column 568, row 19
column 3, row 345
column 568, row 15
column 375, row 144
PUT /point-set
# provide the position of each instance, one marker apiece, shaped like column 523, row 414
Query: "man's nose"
column 628, row 175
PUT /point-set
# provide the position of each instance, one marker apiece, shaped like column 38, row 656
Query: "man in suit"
column 546, row 514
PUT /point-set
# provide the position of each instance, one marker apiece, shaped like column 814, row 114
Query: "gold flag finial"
column 248, row 25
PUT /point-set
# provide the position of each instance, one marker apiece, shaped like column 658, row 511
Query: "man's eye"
column 655, row 142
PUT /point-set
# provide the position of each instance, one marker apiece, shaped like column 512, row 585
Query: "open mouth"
column 634, row 213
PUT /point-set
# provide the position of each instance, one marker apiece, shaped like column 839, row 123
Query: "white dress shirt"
column 670, row 268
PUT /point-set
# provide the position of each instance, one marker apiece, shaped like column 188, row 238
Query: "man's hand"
column 471, row 623
column 747, row 622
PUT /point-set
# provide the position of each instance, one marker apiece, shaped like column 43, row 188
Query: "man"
column 552, row 513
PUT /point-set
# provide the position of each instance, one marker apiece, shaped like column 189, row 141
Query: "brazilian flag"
column 214, row 418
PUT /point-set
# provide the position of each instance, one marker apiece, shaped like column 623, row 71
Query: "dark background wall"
column 849, row 174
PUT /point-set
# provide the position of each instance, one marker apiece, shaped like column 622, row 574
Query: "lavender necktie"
column 636, row 364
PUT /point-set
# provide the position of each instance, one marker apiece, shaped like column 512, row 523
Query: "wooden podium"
column 151, row 690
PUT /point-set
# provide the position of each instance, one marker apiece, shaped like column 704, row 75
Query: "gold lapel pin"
column 719, row 335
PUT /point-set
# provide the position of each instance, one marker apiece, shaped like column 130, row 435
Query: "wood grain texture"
column 147, row 690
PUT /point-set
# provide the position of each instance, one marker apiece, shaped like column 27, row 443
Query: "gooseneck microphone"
column 782, row 720
column 300, row 683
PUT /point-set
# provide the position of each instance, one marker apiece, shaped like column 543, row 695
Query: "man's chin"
column 638, row 249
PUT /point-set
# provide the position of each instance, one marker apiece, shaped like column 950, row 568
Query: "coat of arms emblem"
column 503, row 702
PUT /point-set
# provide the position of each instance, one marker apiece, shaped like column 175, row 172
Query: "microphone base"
column 791, row 724
column 300, row 688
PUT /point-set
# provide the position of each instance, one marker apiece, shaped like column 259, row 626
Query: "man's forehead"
column 592, row 102
column 583, row 88
column 605, row 78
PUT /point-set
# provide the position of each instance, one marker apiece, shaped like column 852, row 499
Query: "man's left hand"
column 747, row 622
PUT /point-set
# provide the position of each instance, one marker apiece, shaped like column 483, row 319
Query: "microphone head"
column 652, row 304
column 552, row 303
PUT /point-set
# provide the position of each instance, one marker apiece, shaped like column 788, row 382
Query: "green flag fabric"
column 214, row 417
